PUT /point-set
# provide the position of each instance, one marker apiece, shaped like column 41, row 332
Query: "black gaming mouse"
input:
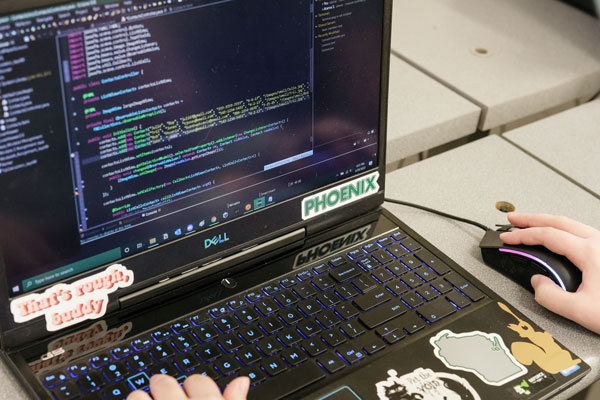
column 520, row 262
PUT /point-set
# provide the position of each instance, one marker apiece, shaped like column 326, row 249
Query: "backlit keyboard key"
column 370, row 247
column 227, row 365
column 398, row 235
column 382, row 257
column 382, row 314
column 180, row 326
column 115, row 372
column 433, row 262
column 142, row 343
column 356, row 253
column 331, row 362
column 323, row 283
column 385, row 241
column 410, row 244
column 273, row 366
column 367, row 263
column 91, row 382
column 397, row 251
column 139, row 381
column 345, row 273
column 66, row 391
column 338, row 261
column 247, row 315
column 218, row 311
column 78, row 369
column 117, row 391
column 372, row 299
column 350, row 353
column 121, row 352
column 139, row 361
column 100, row 360
column 458, row 299
column 160, row 335
column 206, row 333
column 304, row 275
column 293, row 356
column 436, row 310
column 382, row 275
column 54, row 379
column 161, row 352
column 321, row 268
column 184, row 342
column 186, row 362
column 289, row 336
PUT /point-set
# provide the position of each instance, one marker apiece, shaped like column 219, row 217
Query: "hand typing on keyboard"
column 580, row 244
column 196, row 387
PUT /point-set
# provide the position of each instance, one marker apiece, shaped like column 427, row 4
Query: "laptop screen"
column 128, row 125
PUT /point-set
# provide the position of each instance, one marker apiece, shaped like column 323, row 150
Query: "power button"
column 229, row 283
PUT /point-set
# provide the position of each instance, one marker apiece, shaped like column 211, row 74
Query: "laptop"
column 196, row 186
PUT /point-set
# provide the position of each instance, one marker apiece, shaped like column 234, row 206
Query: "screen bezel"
column 189, row 252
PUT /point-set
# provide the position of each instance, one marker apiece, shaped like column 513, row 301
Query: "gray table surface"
column 540, row 53
column 10, row 389
column 568, row 142
column 423, row 113
column 467, row 181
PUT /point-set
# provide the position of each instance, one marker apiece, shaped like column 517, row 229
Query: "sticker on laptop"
column 341, row 195
column 540, row 348
column 424, row 383
column 64, row 305
column 483, row 354
column 532, row 385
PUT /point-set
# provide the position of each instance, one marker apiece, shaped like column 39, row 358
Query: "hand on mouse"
column 196, row 387
column 580, row 244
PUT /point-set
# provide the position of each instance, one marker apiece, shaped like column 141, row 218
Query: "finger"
column 237, row 389
column 546, row 220
column 557, row 241
column 139, row 395
column 202, row 387
column 165, row 387
column 552, row 297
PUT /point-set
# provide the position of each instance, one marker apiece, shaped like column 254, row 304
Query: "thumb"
column 237, row 389
column 549, row 295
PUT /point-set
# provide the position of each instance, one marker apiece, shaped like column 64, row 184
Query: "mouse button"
column 520, row 262
column 518, row 269
column 520, row 266
column 538, row 268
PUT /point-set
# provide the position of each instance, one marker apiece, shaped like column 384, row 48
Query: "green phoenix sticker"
column 340, row 195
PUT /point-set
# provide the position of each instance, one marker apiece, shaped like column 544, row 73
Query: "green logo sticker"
column 340, row 195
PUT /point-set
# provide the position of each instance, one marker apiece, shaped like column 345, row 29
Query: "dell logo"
column 221, row 238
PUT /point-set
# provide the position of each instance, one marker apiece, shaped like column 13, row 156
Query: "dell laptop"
column 195, row 187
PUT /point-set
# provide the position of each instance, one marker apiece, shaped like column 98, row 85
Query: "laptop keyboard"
column 289, row 333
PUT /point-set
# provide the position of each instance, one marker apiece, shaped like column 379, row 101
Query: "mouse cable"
column 443, row 214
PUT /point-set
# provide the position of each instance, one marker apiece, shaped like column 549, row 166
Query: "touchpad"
column 343, row 393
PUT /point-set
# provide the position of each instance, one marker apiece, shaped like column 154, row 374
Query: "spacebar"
column 288, row 382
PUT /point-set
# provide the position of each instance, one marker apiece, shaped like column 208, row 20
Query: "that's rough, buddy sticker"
column 64, row 305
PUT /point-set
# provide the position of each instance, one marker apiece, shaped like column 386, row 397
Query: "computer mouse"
column 520, row 262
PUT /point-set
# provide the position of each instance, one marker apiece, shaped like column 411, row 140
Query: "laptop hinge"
column 199, row 271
